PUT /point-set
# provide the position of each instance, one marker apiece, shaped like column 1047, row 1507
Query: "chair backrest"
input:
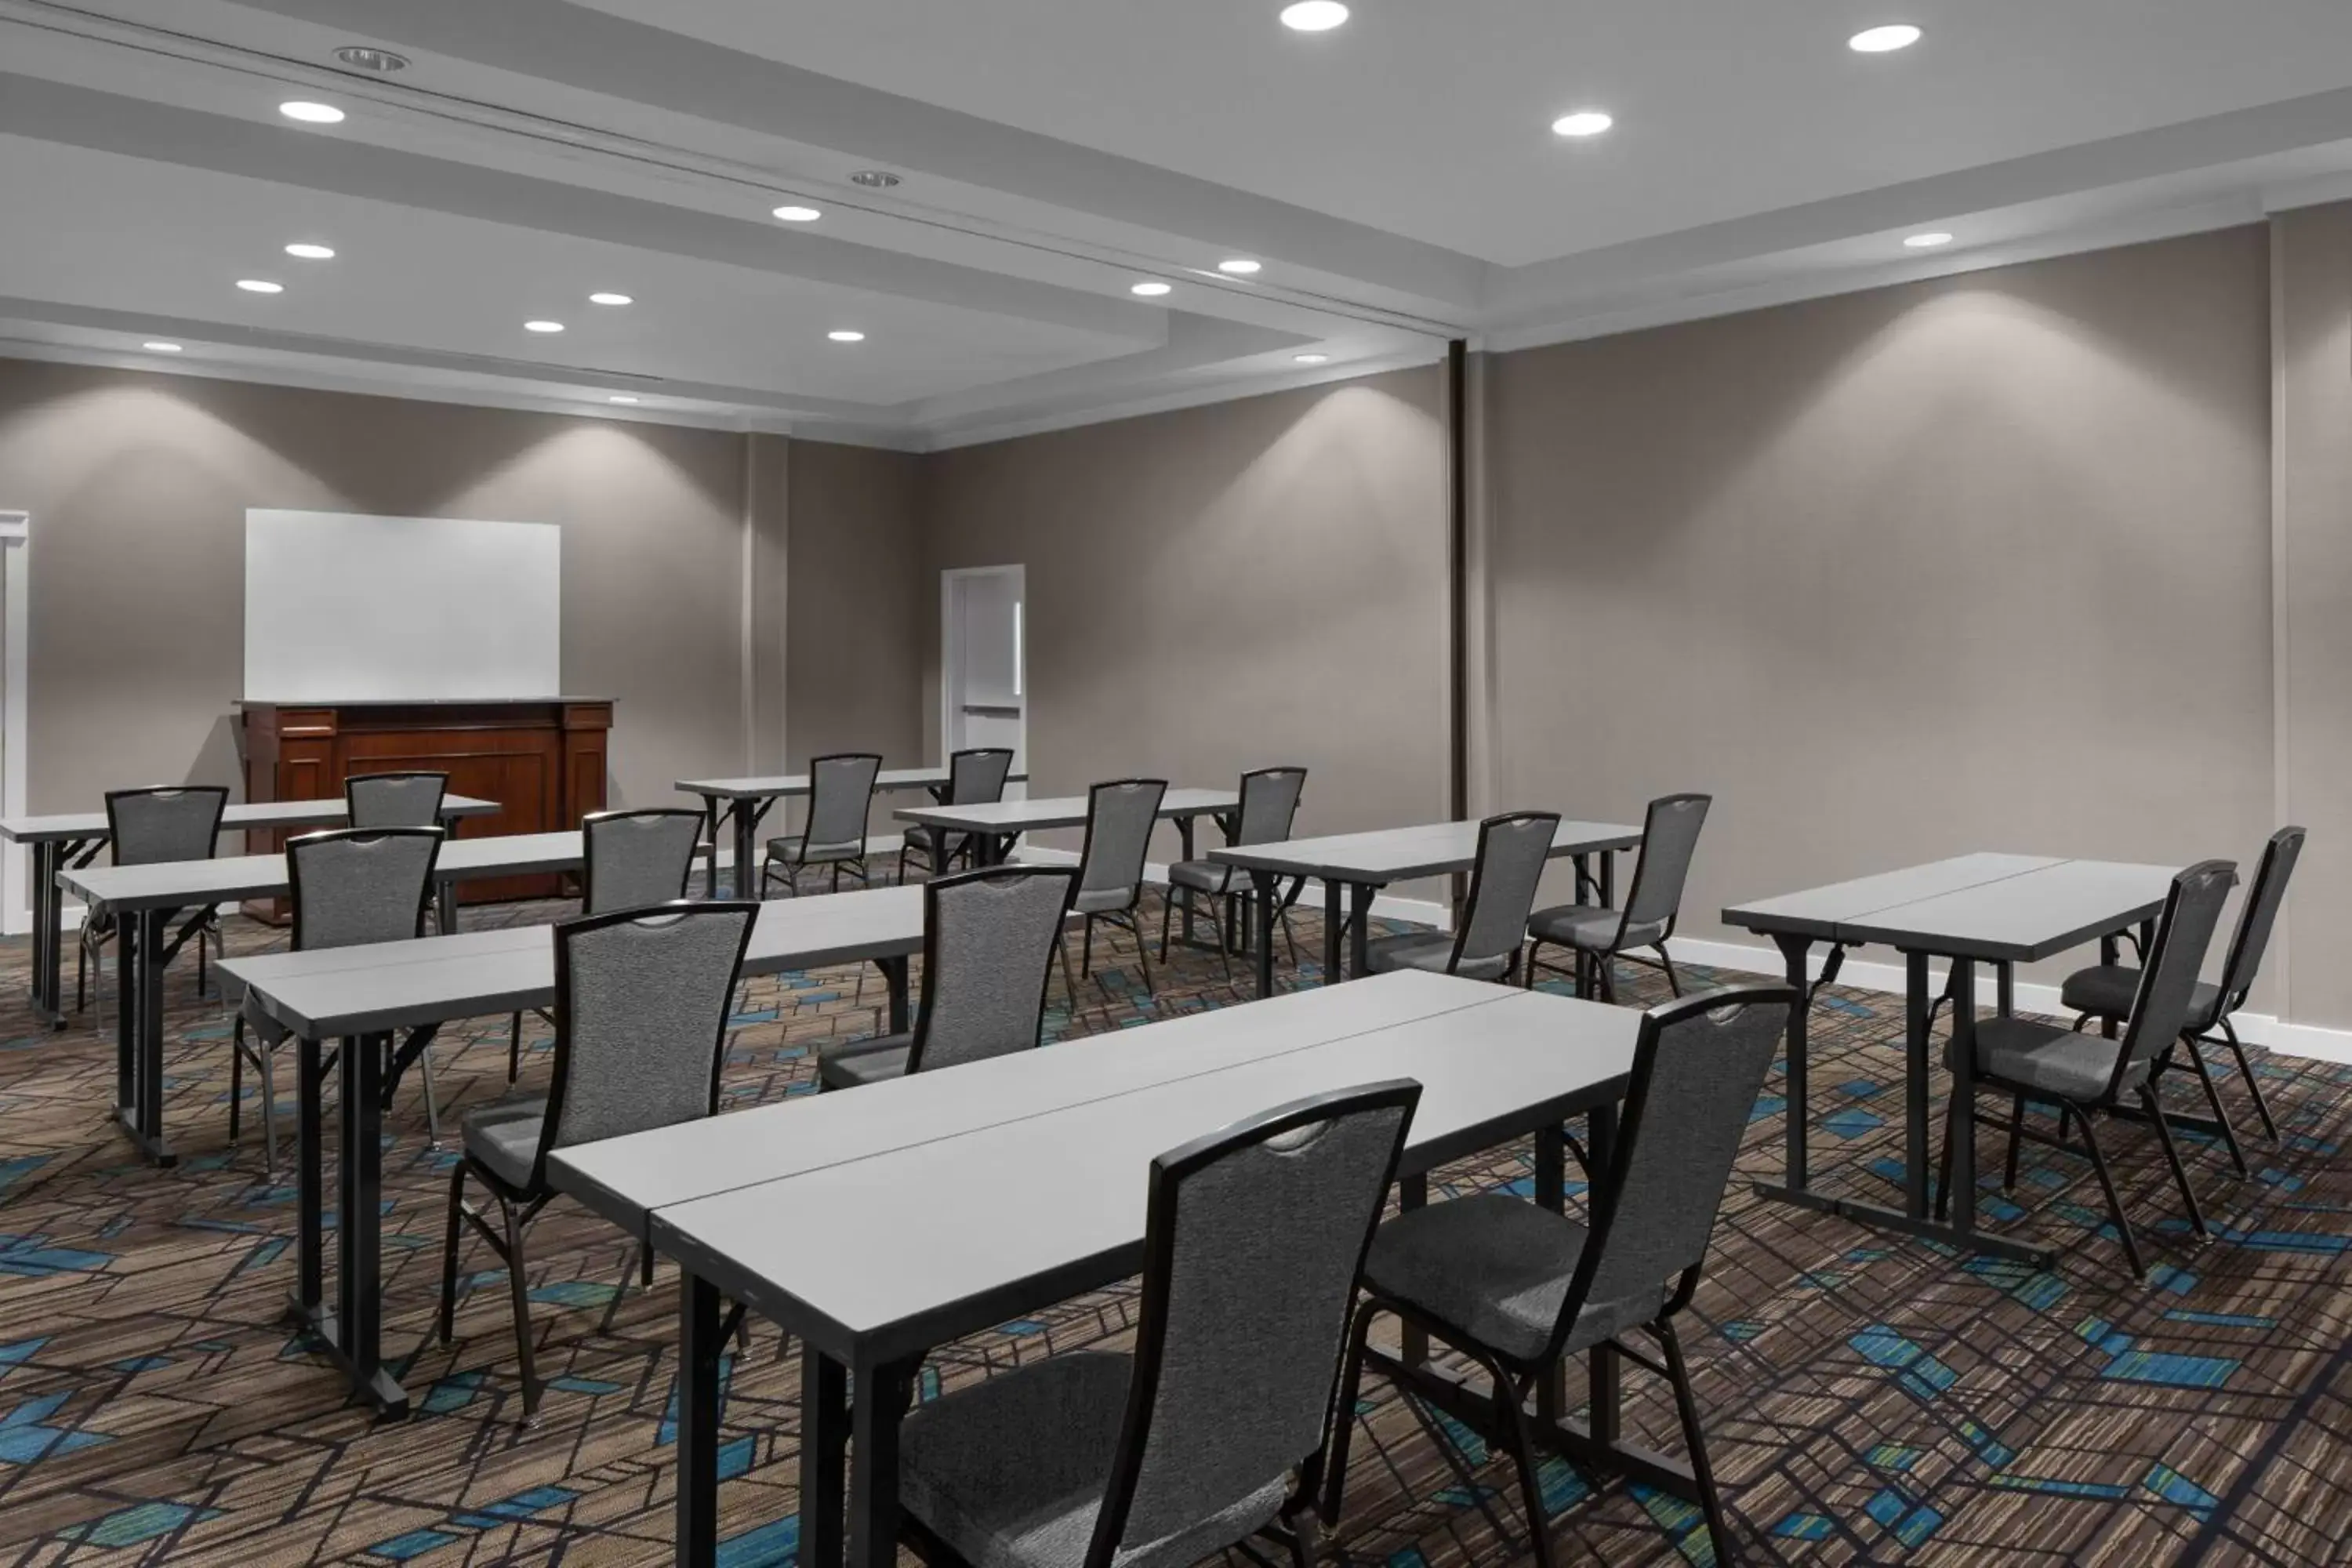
column 1699, row 1064
column 637, row 857
column 395, row 800
column 841, row 794
column 642, row 1000
column 1512, row 850
column 976, row 776
column 358, row 885
column 1255, row 1240
column 1669, row 841
column 149, row 826
column 2167, row 981
column 987, row 955
column 2261, row 913
column 1269, row 803
column 1119, row 819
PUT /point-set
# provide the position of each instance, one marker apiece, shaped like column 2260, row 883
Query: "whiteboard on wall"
column 341, row 608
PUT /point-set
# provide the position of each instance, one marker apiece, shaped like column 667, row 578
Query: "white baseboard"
column 2255, row 1028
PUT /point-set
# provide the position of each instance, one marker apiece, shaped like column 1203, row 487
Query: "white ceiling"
column 1397, row 176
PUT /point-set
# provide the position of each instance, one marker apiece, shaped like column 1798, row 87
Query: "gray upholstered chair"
column 630, row 859
column 395, row 800
column 840, row 795
column 2082, row 1075
column 989, row 940
column 1599, row 936
column 151, row 827
column 1512, row 849
column 1518, row 1289
column 975, row 777
column 1214, row 1428
column 351, row 888
column 1120, row 816
column 1269, row 804
column 2105, row 990
column 642, row 999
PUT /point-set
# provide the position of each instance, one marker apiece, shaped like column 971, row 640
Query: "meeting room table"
column 879, row 1222
column 71, row 840
column 1990, row 909
column 735, row 808
column 1354, row 867
column 996, row 827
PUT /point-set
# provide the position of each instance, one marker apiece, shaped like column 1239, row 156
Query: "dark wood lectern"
column 541, row 759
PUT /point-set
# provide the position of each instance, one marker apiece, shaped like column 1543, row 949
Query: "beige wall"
column 1251, row 583
column 138, row 485
column 1976, row 563
column 856, row 627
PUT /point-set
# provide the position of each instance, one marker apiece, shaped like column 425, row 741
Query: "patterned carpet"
column 1868, row 1400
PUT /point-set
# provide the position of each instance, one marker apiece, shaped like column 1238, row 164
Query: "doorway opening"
column 984, row 675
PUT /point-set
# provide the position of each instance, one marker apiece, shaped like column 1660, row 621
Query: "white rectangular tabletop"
column 1398, row 854
column 1057, row 811
column 627, row 1179
column 401, row 984
column 878, row 1257
column 242, row 815
column 185, row 884
column 778, row 785
column 2000, row 908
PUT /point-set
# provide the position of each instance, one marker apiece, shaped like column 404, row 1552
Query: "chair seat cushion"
column 1589, row 928
column 1102, row 900
column 505, row 1138
column 1430, row 951
column 2075, row 1066
column 1208, row 876
column 849, row 1063
column 1010, row 1472
column 816, row 854
column 2108, row 990
column 1494, row 1267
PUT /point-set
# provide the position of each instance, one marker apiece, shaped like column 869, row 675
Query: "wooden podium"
column 541, row 759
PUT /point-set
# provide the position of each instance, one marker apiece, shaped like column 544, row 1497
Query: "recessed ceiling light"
column 847, row 335
column 798, row 214
column 542, row 326
column 1927, row 241
column 311, row 252
column 311, row 113
column 1884, row 40
column 1241, row 266
column 1150, row 290
column 1312, row 359
column 1584, row 122
column 874, row 179
column 609, row 300
column 260, row 286
column 1314, row 15
column 368, row 57
column 619, row 397
column 160, row 348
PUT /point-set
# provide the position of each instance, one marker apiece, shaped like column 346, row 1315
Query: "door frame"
column 951, row 649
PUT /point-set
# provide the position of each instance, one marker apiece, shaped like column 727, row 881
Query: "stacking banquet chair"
column 630, row 859
column 1518, row 1289
column 150, row 827
column 2082, row 1074
column 1120, row 816
column 641, row 998
column 1214, row 1428
column 1599, row 936
column 2105, row 991
column 395, row 800
column 975, row 777
column 351, row 886
column 1269, row 804
column 989, row 940
column 1512, row 849
column 840, row 795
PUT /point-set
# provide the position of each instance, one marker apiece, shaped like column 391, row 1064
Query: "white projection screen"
column 341, row 608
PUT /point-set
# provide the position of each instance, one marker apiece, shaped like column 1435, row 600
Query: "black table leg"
column 824, row 1473
column 1359, row 910
column 1184, row 845
column 1269, row 904
column 1963, row 1124
column 445, row 905
column 1335, row 921
column 699, row 1347
column 357, row 1332
column 1917, row 1069
column 2109, row 955
column 49, row 932
column 1603, row 1369
column 138, row 943
column 894, row 975
column 878, row 1404
column 308, row 1302
column 1551, row 1193
column 1412, row 1193
column 1608, row 878
column 747, row 849
column 1795, row 957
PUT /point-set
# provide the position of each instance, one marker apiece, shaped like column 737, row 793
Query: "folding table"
column 743, row 802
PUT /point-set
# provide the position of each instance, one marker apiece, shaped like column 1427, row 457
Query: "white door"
column 984, row 685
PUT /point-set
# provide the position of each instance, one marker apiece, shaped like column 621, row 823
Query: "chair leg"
column 432, row 1101
column 1167, row 908
column 1512, row 1410
column 446, row 1321
column 1666, row 961
column 2114, row 1203
column 2254, row 1084
column 268, row 1109
column 1343, row 1415
column 2016, row 1138
column 1528, row 981
column 1944, row 1160
column 1143, row 961
column 2153, row 1103
column 514, row 1047
column 2214, row 1099
column 519, row 1291
column 1718, row 1529
column 1087, row 951
column 641, row 1263
column 1069, row 981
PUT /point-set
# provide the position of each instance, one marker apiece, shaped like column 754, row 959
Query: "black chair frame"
column 793, row 865
column 98, row 926
column 954, row 848
column 1593, row 969
column 1128, row 918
